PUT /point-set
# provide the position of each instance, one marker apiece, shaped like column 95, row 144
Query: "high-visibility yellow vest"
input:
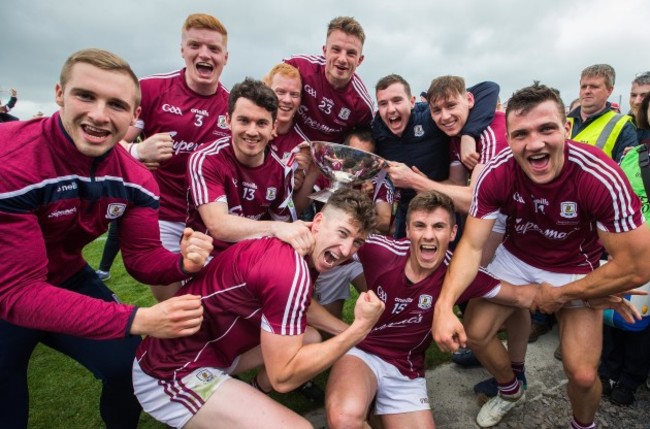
column 603, row 131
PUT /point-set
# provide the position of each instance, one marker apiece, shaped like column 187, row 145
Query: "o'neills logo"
column 115, row 210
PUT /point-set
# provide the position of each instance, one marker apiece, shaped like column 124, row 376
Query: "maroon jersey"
column 553, row 226
column 403, row 332
column 326, row 113
column 260, row 193
column 254, row 285
column 53, row 202
column 170, row 106
column 283, row 144
column 492, row 141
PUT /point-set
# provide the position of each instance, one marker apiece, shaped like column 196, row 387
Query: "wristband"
column 133, row 150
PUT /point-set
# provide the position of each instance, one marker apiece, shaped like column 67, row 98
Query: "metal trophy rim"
column 324, row 194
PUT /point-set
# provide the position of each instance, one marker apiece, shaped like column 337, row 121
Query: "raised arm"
column 289, row 363
column 403, row 176
column 447, row 330
column 231, row 228
column 481, row 115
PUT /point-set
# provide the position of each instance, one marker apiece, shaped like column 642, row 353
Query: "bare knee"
column 582, row 377
column 341, row 416
column 477, row 340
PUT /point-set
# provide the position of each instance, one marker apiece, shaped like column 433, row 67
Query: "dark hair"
column 429, row 201
column 356, row 204
column 387, row 81
column 255, row 91
column 526, row 99
column 362, row 133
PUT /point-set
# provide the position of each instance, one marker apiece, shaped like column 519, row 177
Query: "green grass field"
column 64, row 395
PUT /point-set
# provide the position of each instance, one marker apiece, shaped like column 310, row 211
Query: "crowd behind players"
column 179, row 150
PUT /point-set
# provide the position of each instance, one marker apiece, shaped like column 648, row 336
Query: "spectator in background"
column 594, row 122
column 640, row 87
column 625, row 360
column 4, row 110
column 643, row 121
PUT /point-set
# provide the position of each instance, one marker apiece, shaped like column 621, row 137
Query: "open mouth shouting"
column 204, row 69
column 330, row 259
column 428, row 251
column 539, row 162
column 396, row 123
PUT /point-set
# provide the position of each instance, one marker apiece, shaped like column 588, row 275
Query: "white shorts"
column 396, row 393
column 506, row 266
column 171, row 234
column 334, row 284
column 175, row 402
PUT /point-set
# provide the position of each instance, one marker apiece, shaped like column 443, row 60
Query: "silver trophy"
column 344, row 166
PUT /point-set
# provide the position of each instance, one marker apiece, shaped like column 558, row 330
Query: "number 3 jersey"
column 403, row 332
column 260, row 193
column 170, row 106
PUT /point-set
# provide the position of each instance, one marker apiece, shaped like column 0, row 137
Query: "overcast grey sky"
column 512, row 42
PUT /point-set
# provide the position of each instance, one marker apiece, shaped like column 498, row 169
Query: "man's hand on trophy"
column 303, row 156
column 402, row 175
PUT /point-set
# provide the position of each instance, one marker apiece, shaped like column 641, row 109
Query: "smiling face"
column 205, row 54
column 593, row 94
column 97, row 107
column 251, row 127
column 288, row 91
column 430, row 233
column 450, row 114
column 395, row 107
column 537, row 140
column 342, row 53
column 338, row 236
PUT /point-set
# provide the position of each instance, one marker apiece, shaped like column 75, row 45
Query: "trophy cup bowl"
column 344, row 166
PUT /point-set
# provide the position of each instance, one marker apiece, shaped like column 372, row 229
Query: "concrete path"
column 455, row 405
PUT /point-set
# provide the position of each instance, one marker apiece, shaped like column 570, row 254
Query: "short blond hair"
column 348, row 25
column 103, row 60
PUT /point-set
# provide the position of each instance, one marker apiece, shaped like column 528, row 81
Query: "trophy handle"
column 325, row 194
column 321, row 196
